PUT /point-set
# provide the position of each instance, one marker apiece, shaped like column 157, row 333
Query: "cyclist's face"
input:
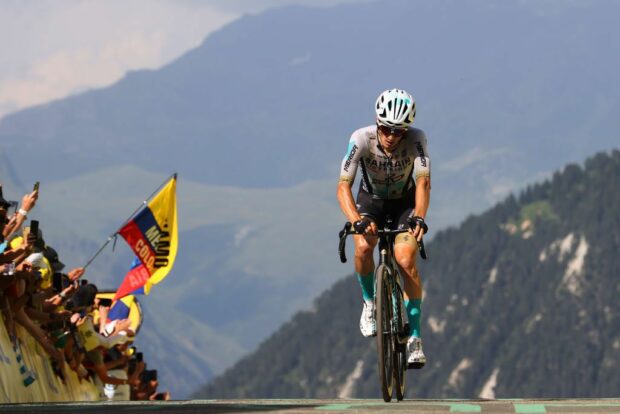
column 389, row 138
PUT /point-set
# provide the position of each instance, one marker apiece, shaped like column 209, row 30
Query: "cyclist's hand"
column 417, row 227
column 372, row 228
column 365, row 226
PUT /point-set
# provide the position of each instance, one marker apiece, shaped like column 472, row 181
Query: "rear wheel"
column 385, row 343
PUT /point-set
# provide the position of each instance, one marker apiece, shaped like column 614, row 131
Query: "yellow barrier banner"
column 46, row 387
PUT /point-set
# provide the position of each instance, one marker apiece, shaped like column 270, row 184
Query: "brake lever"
column 343, row 241
column 422, row 250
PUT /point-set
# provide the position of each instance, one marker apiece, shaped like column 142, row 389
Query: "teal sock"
column 414, row 310
column 367, row 282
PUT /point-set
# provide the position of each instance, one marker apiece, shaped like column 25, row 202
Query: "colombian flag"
column 152, row 234
column 138, row 276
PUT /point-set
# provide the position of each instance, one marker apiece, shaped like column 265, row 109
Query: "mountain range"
column 256, row 119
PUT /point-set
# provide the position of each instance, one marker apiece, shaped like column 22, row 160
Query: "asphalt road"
column 326, row 406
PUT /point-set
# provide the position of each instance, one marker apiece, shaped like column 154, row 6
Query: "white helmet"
column 395, row 109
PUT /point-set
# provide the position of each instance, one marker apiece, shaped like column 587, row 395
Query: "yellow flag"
column 153, row 236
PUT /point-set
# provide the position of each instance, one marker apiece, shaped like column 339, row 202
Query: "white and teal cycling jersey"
column 383, row 176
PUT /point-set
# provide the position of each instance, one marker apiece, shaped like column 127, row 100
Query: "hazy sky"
column 52, row 48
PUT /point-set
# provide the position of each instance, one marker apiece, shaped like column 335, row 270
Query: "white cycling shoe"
column 368, row 325
column 415, row 355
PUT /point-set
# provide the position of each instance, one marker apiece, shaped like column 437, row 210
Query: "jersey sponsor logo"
column 420, row 149
column 375, row 165
column 391, row 180
column 347, row 164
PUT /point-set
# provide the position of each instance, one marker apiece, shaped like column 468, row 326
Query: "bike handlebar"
column 347, row 231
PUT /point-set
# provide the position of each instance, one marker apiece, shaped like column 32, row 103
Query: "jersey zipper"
column 388, row 168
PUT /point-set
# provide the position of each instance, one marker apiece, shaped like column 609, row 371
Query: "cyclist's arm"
column 348, row 170
column 422, row 196
column 422, row 175
column 347, row 204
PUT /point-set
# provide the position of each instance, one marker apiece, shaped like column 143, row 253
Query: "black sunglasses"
column 391, row 131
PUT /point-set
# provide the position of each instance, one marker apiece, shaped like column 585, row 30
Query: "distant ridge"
column 271, row 99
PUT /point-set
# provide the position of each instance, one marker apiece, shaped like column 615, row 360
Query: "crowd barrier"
column 46, row 387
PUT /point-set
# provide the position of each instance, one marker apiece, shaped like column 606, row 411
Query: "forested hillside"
column 519, row 301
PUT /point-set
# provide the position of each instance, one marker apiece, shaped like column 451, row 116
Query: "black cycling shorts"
column 398, row 209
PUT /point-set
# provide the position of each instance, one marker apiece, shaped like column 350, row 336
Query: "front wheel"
column 385, row 343
column 400, row 353
column 400, row 366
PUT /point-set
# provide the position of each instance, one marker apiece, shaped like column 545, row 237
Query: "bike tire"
column 400, row 367
column 385, row 342
column 400, row 354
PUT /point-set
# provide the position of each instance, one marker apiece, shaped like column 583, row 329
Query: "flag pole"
column 140, row 207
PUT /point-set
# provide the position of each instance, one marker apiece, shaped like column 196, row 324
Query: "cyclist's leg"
column 405, row 253
column 364, row 270
column 405, row 249
column 365, row 264
column 365, row 245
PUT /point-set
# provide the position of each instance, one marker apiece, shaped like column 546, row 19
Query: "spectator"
column 147, row 386
column 59, row 313
column 111, row 328
column 93, row 343
column 18, row 249
column 27, row 277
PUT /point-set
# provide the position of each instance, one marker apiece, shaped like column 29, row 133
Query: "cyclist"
column 395, row 180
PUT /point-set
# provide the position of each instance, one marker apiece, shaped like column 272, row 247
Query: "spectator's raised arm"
column 21, row 250
column 28, row 202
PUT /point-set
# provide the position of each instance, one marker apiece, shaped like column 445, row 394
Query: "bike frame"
column 392, row 331
column 387, row 258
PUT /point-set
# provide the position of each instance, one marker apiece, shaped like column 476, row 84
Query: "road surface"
column 306, row 406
